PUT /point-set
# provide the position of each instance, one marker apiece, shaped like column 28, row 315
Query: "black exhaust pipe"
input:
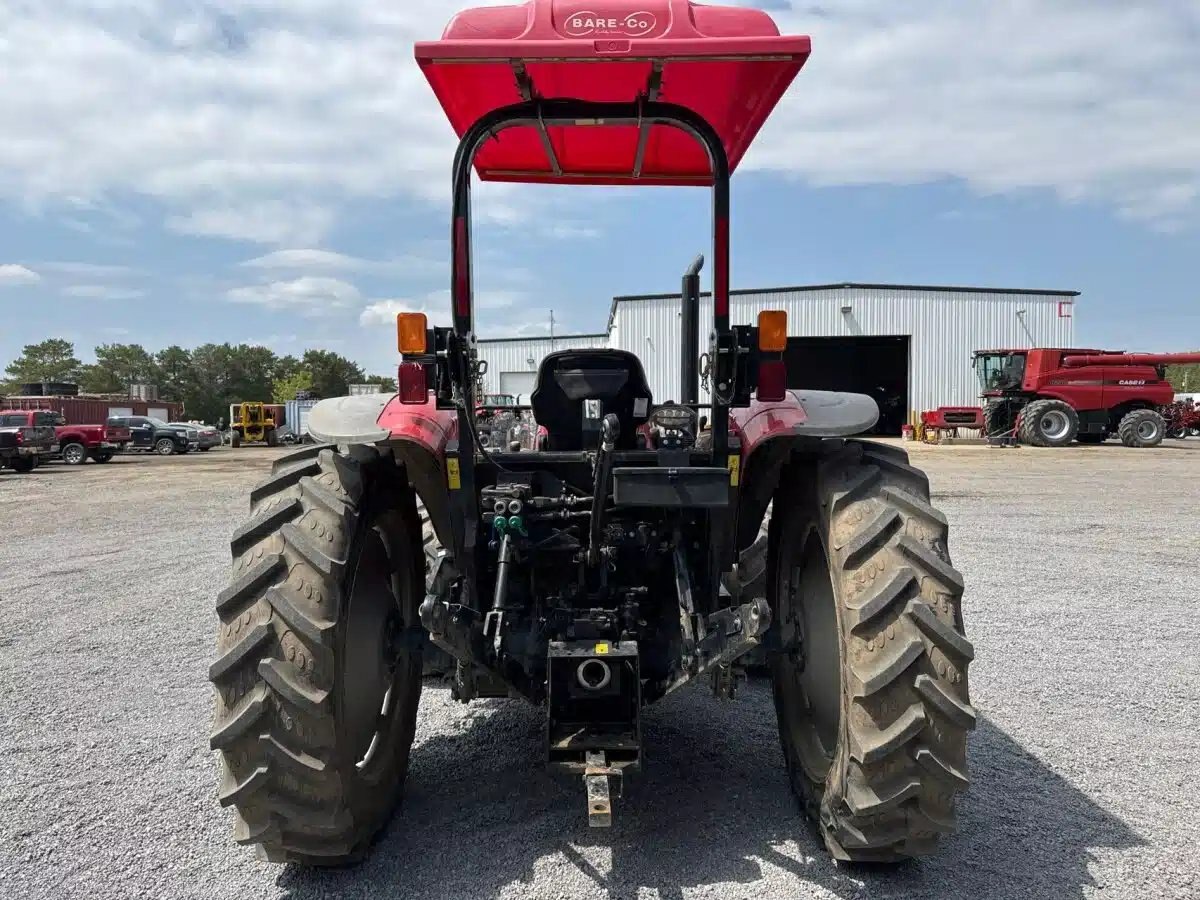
column 689, row 374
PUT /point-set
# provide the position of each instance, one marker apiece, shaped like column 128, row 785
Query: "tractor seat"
column 570, row 377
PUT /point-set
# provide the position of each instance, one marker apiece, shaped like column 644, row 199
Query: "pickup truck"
column 23, row 446
column 74, row 444
column 156, row 436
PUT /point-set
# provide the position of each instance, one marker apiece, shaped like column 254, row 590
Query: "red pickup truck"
column 75, row 444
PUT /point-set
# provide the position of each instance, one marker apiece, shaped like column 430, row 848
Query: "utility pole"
column 552, row 347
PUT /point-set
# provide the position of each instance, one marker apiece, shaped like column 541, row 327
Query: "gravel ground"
column 1081, row 573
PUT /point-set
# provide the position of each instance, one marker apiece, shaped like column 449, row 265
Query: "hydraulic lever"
column 610, row 431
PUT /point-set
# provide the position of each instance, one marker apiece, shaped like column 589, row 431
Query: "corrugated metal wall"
column 514, row 355
column 946, row 326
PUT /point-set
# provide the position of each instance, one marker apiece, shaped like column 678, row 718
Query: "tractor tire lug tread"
column 900, row 758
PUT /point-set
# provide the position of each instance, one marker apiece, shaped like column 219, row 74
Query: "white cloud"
column 1091, row 100
column 99, row 271
column 268, row 221
column 312, row 260
column 102, row 292
column 309, row 295
column 308, row 260
column 262, row 120
column 13, row 275
column 382, row 313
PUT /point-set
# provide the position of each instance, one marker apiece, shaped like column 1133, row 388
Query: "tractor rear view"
column 597, row 574
column 1053, row 397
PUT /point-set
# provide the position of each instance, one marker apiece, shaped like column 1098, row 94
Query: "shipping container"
column 96, row 410
column 297, row 416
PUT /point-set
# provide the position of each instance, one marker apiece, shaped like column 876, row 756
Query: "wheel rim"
column 812, row 675
column 369, row 675
column 1147, row 430
column 73, row 455
column 165, row 448
column 1054, row 425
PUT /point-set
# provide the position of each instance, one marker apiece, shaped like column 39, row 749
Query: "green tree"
column 386, row 385
column 286, row 389
column 174, row 372
column 331, row 374
column 98, row 380
column 1186, row 379
column 51, row 360
column 286, row 367
column 127, row 364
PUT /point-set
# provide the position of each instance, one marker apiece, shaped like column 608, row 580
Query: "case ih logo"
column 584, row 24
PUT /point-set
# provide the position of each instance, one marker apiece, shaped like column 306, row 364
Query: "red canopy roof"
column 728, row 64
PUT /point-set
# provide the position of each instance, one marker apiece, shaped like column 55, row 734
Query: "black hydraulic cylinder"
column 689, row 323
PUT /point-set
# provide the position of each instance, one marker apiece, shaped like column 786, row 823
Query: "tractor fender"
column 417, row 434
column 771, row 432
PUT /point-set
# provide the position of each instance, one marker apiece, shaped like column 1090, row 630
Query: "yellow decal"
column 453, row 474
column 735, row 469
column 602, row 649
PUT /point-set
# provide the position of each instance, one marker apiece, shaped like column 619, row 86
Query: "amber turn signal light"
column 411, row 332
column 772, row 331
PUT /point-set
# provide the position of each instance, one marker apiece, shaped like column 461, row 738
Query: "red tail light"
column 772, row 381
column 413, row 386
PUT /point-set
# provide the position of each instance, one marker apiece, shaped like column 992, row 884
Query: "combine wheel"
column 1049, row 423
column 317, row 682
column 1142, row 428
column 871, row 686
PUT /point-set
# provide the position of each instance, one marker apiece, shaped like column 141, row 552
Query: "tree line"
column 206, row 379
column 1186, row 379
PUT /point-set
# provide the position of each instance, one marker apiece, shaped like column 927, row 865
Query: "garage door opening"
column 875, row 366
column 519, row 384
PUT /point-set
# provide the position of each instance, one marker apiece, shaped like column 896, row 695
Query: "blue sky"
column 277, row 172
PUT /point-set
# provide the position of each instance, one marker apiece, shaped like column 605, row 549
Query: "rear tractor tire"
column 871, row 681
column 1049, row 423
column 317, row 683
column 1142, row 428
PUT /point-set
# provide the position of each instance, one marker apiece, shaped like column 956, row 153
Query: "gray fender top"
column 836, row 414
column 349, row 420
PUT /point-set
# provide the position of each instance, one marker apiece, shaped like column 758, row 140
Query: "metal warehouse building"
column 908, row 346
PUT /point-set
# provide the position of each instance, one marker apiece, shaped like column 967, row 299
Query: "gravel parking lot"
column 1082, row 604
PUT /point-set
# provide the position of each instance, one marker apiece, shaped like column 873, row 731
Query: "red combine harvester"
column 1049, row 398
column 591, row 575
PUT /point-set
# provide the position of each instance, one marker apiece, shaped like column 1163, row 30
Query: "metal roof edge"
column 941, row 289
column 540, row 337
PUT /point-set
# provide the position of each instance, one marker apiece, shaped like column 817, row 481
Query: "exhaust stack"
column 689, row 323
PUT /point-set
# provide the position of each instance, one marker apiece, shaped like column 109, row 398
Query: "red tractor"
column 591, row 575
column 1049, row 398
